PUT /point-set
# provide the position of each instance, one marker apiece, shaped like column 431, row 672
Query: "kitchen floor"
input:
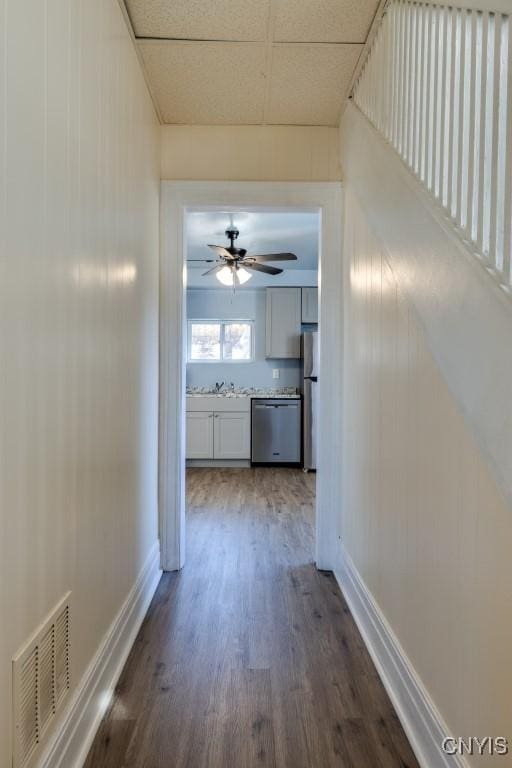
column 249, row 656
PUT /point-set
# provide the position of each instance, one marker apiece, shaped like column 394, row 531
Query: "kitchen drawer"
column 218, row 403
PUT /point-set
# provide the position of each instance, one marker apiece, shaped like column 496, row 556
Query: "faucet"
column 232, row 387
column 218, row 386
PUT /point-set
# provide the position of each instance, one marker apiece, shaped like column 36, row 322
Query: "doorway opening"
column 178, row 201
column 251, row 347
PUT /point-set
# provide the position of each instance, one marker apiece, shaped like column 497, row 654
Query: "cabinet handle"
column 210, row 416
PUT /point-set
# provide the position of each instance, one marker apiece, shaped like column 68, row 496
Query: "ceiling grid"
column 250, row 62
column 268, row 68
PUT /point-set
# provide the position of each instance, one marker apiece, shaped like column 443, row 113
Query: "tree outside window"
column 220, row 341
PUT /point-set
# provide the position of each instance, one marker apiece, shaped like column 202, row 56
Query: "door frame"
column 177, row 197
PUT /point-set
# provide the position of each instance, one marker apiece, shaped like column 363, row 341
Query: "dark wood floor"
column 249, row 656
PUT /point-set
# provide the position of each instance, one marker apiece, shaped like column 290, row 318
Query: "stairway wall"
column 426, row 514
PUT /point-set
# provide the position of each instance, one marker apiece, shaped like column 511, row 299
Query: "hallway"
column 249, row 656
column 190, row 191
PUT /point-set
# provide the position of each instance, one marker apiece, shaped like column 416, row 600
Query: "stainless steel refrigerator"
column 310, row 350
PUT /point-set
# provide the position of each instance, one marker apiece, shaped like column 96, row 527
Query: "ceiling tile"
column 208, row 83
column 328, row 21
column 200, row 19
column 309, row 82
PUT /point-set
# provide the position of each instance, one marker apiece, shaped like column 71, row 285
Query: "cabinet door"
column 310, row 305
column 283, row 322
column 232, row 435
column 199, row 435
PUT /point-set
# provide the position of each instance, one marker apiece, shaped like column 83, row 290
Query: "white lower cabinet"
column 223, row 433
column 199, row 435
column 231, row 435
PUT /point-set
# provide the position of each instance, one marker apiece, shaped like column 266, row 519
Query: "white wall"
column 243, row 305
column 250, row 153
column 425, row 517
column 79, row 186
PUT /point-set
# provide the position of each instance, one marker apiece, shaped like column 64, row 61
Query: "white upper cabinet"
column 310, row 305
column 283, row 323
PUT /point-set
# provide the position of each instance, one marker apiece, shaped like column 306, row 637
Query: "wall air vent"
column 41, row 682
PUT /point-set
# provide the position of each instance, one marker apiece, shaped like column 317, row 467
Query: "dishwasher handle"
column 277, row 405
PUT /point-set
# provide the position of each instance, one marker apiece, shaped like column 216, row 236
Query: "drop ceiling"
column 250, row 62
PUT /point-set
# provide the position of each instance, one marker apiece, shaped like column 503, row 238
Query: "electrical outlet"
column 275, row 373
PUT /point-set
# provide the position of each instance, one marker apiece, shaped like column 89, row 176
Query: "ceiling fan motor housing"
column 232, row 235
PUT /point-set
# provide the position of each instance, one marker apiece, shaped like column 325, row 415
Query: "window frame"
column 222, row 323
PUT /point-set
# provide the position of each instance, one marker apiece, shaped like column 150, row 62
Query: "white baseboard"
column 420, row 719
column 74, row 736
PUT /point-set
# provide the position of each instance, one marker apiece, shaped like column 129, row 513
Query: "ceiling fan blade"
column 220, row 251
column 261, row 268
column 213, row 270
column 203, row 261
column 275, row 257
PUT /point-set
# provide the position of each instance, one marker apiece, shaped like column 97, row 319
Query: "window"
column 204, row 341
column 211, row 341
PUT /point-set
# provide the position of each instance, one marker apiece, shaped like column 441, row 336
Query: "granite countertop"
column 283, row 392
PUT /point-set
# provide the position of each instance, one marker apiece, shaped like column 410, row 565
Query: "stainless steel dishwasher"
column 276, row 431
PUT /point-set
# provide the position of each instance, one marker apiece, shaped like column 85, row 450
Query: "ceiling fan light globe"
column 225, row 276
column 243, row 275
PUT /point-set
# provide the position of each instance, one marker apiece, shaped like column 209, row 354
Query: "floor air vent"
column 41, row 681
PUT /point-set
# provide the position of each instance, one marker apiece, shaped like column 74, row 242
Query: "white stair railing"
column 437, row 83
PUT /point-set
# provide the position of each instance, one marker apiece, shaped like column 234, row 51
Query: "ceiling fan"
column 232, row 265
